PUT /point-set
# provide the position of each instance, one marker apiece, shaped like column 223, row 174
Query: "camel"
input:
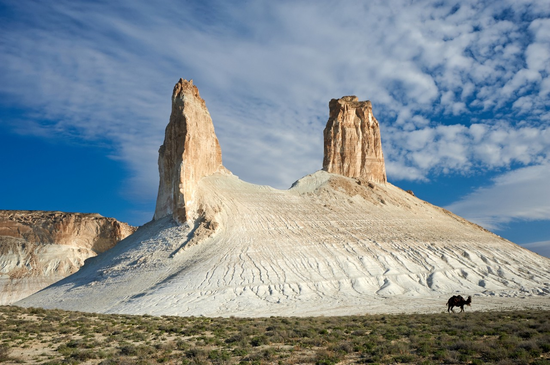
column 458, row 301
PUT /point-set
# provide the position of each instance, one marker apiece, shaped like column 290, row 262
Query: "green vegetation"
column 59, row 337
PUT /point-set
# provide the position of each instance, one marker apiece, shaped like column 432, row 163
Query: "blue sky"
column 460, row 88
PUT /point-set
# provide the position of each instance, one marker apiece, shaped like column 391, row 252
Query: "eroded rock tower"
column 190, row 152
column 353, row 146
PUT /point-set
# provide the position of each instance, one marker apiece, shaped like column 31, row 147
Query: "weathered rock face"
column 38, row 248
column 331, row 244
column 353, row 147
column 190, row 152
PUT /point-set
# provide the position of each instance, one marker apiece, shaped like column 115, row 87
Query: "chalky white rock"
column 339, row 241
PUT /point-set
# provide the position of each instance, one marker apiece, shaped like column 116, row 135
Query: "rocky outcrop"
column 190, row 152
column 331, row 244
column 353, row 147
column 38, row 248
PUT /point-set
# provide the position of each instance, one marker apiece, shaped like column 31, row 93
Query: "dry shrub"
column 324, row 357
column 4, row 352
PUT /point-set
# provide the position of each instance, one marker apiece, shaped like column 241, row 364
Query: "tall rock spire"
column 190, row 152
column 353, row 146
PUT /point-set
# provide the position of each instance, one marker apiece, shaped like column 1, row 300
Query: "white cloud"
column 537, row 56
column 542, row 247
column 522, row 194
column 541, row 29
column 544, row 87
column 461, row 149
column 521, row 79
column 400, row 171
column 103, row 72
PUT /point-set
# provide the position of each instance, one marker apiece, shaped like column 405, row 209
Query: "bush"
column 259, row 340
column 127, row 350
column 324, row 357
column 83, row 355
column 240, row 352
column 480, row 337
column 405, row 358
column 196, row 353
column 238, row 337
column 182, row 345
column 217, row 355
column 4, row 352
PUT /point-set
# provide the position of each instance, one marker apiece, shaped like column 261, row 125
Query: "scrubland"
column 31, row 335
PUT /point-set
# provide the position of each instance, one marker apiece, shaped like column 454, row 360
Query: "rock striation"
column 190, row 152
column 353, row 146
column 38, row 248
column 332, row 244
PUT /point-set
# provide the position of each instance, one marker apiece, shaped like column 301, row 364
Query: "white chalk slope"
column 329, row 245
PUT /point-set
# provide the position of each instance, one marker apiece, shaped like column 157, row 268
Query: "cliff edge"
column 38, row 248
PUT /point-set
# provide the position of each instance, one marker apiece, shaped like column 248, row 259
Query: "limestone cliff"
column 38, row 248
column 190, row 152
column 353, row 146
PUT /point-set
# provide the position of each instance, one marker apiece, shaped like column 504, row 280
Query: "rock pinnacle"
column 353, row 147
column 190, row 152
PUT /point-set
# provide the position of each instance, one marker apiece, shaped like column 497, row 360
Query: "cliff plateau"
column 38, row 248
column 340, row 241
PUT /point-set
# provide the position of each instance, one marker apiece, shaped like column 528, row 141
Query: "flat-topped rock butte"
column 353, row 146
column 340, row 241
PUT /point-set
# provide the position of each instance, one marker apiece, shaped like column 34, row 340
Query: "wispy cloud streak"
column 522, row 194
column 459, row 87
